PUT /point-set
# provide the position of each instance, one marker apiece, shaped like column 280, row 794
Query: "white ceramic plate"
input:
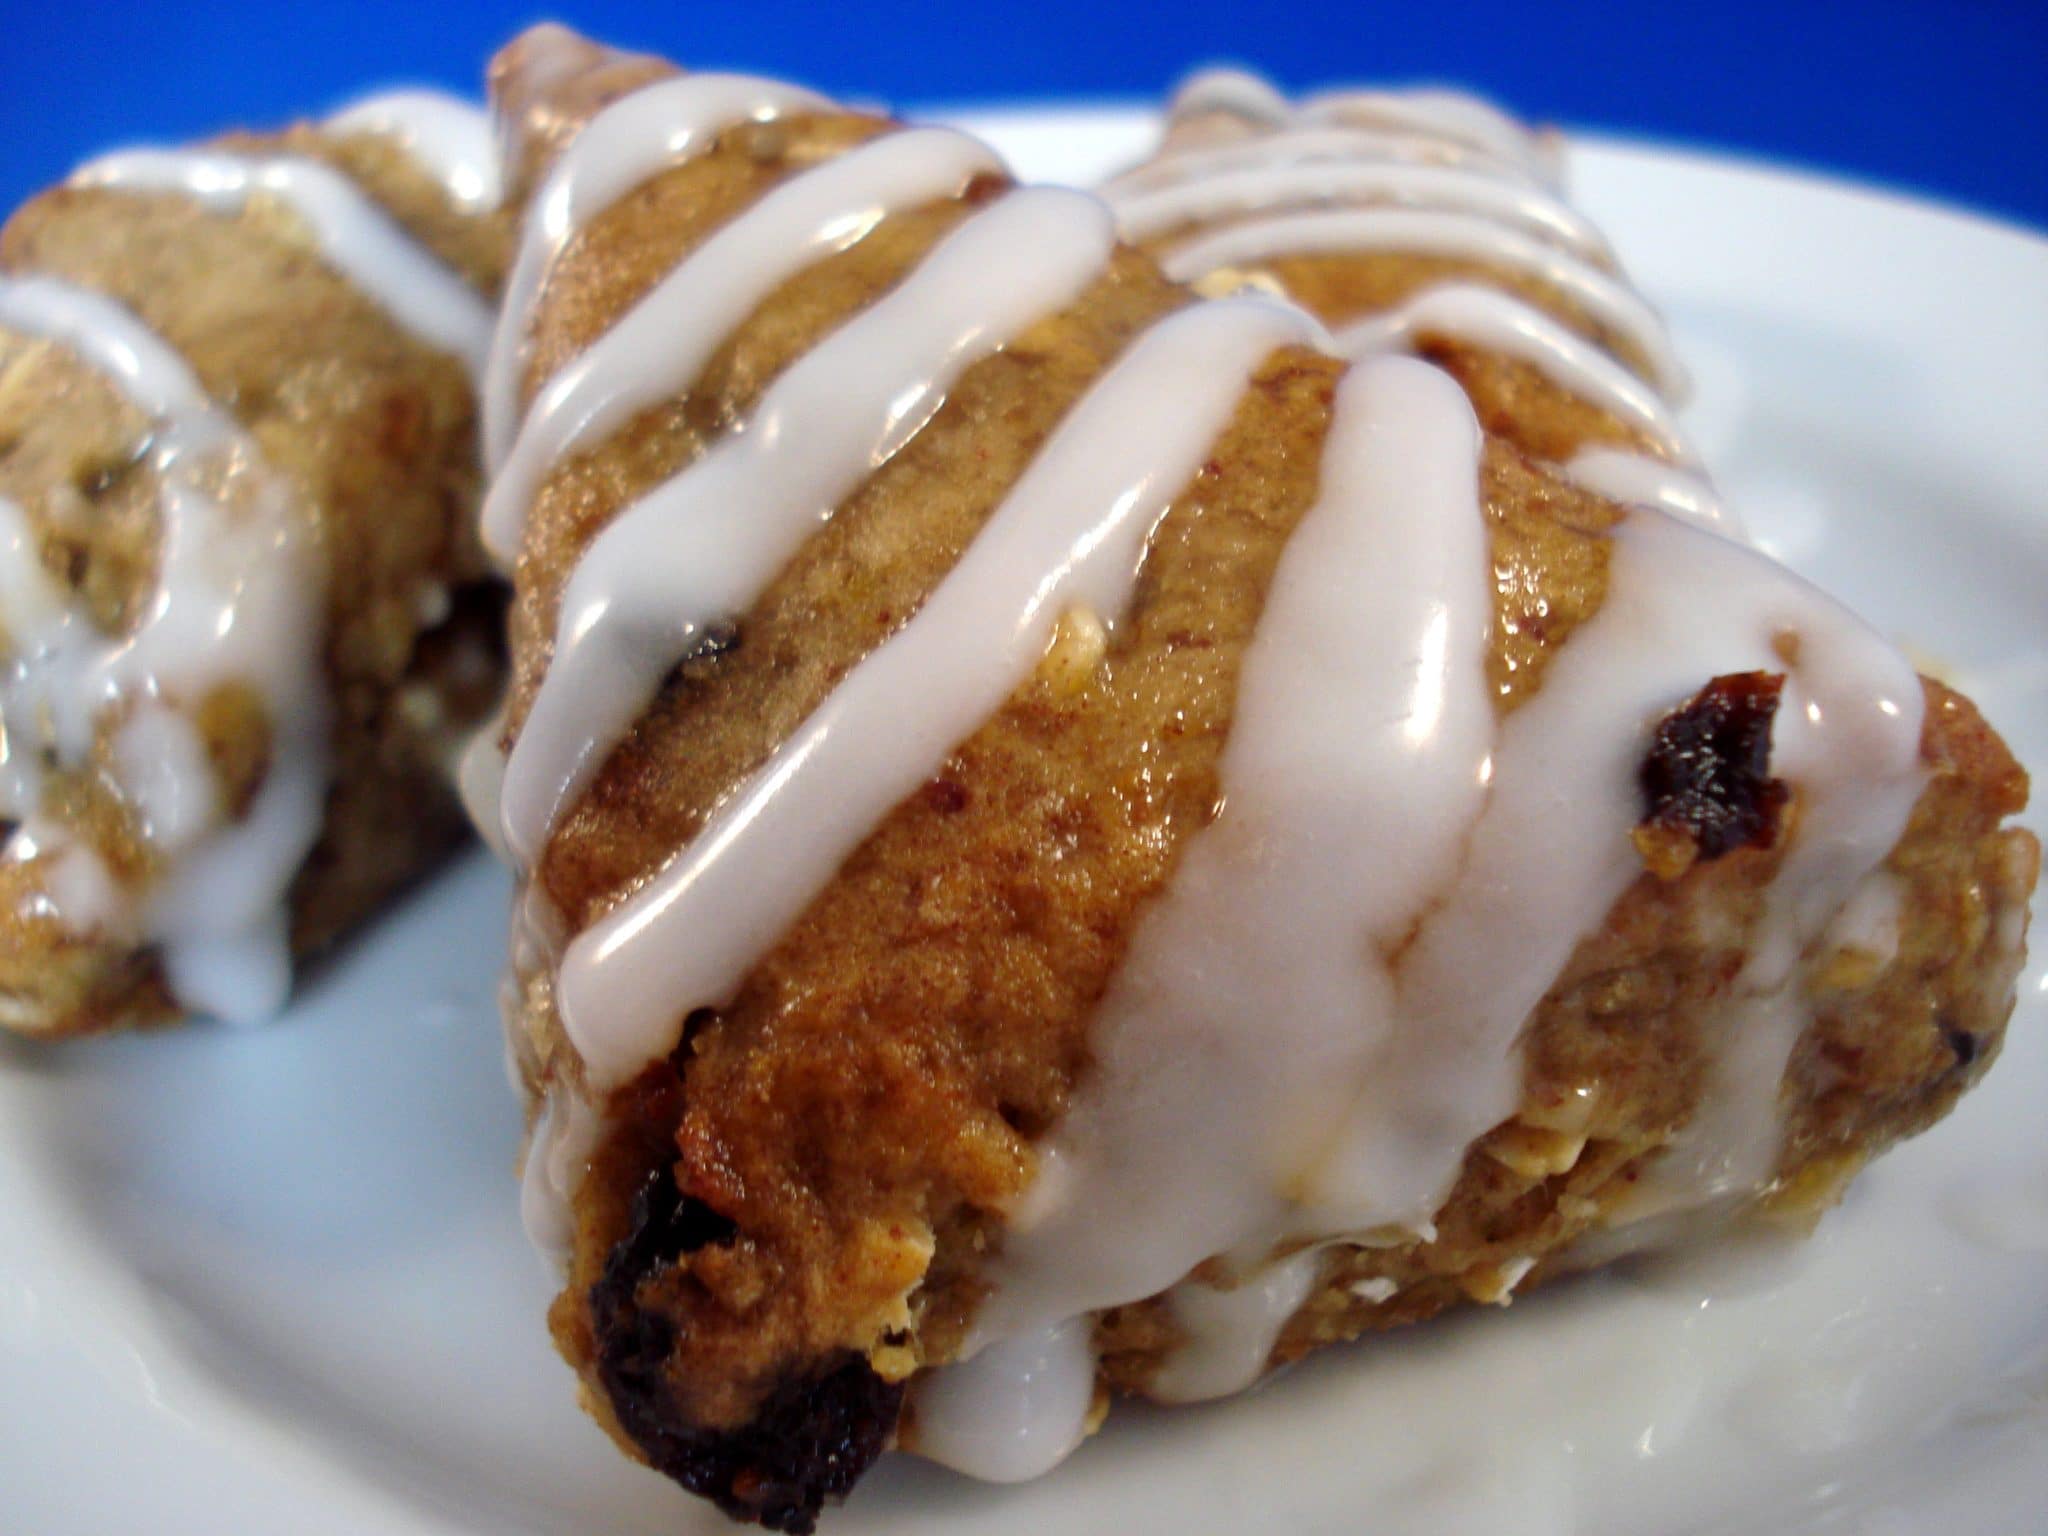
column 274, row 1281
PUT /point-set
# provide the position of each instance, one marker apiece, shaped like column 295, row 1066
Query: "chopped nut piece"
column 1533, row 1152
column 1077, row 648
column 1494, row 1285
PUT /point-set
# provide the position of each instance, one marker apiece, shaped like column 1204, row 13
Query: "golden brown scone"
column 289, row 390
column 787, row 1197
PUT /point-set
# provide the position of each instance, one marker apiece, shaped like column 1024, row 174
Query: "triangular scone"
column 246, row 619
column 1070, row 839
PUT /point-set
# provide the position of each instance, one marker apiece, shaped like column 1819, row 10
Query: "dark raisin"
column 1707, row 774
column 1961, row 1041
column 710, row 643
column 665, row 1226
column 716, row 640
column 809, row 1441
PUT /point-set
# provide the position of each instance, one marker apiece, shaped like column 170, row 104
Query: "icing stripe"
column 234, row 603
column 625, row 145
column 700, row 548
column 1015, row 1411
column 663, row 344
column 1261, row 189
column 1414, row 232
column 1639, row 480
column 1305, row 146
column 1497, row 322
column 1456, row 116
column 1452, row 115
column 1237, row 92
column 1230, row 1334
column 1847, row 740
column 1070, row 532
column 1352, row 773
column 356, row 237
column 449, row 137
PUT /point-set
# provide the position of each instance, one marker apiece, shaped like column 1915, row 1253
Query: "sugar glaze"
column 233, row 604
column 452, row 140
column 1245, row 177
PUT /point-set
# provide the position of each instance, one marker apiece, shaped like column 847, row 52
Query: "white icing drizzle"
column 356, row 237
column 1233, row 92
column 1265, row 196
column 480, row 781
column 1301, row 146
column 1445, row 116
column 1497, row 322
column 1870, row 920
column 1071, row 532
column 1230, row 1334
column 234, row 602
column 1683, row 606
column 1599, row 293
column 1353, row 770
column 1453, row 115
column 1015, row 1411
column 664, row 342
column 564, row 1137
column 77, row 887
column 1853, row 759
column 1636, row 479
column 449, row 137
column 625, row 145
column 1269, row 188
column 697, row 550
column 34, row 612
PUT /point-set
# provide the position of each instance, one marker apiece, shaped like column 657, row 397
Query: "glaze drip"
column 450, row 138
column 233, row 604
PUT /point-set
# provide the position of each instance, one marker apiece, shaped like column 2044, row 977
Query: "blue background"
column 1943, row 98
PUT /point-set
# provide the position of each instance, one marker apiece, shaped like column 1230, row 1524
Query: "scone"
column 1073, row 840
column 247, row 621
